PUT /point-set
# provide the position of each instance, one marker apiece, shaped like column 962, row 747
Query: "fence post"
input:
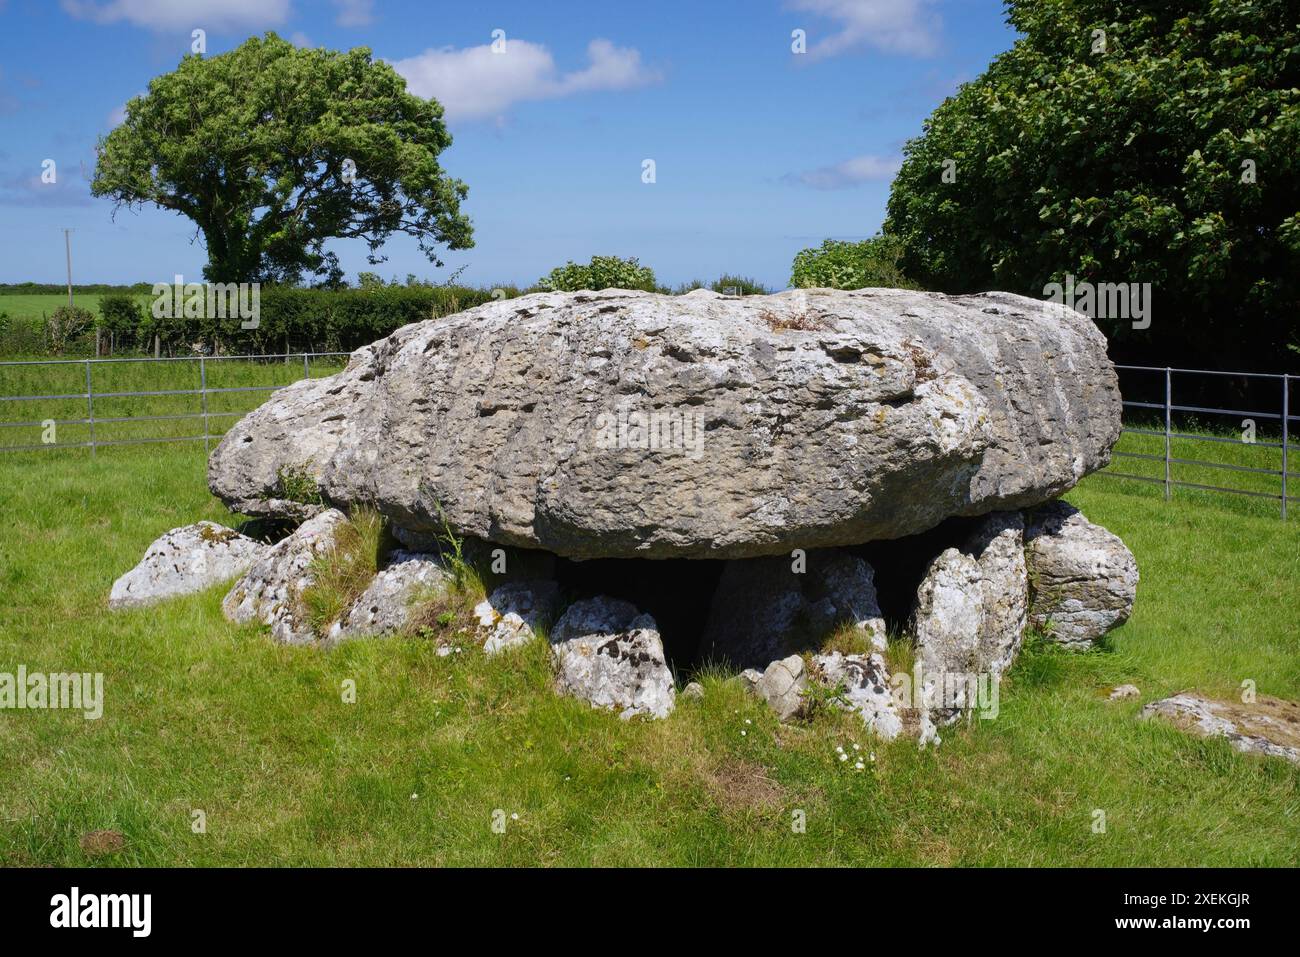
column 1169, row 403
column 90, row 409
column 306, row 368
column 1286, row 417
column 203, row 395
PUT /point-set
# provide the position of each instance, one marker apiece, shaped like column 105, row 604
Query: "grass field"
column 23, row 332
column 31, row 307
column 134, row 418
column 201, row 715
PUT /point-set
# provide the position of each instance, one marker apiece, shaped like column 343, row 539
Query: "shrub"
column 65, row 325
column 295, row 483
column 121, row 317
column 603, row 272
column 843, row 265
column 739, row 286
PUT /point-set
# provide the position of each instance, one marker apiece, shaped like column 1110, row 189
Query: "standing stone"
column 183, row 561
column 970, row 613
column 782, row 687
column 611, row 655
column 764, row 610
column 271, row 590
column 1083, row 578
column 514, row 612
column 384, row 608
column 623, row 424
column 863, row 682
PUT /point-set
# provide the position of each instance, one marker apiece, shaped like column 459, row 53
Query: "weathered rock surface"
column 611, row 655
column 1269, row 726
column 971, row 611
column 271, row 589
column 384, row 608
column 764, row 610
column 1084, row 579
column 782, row 686
column 183, row 561
column 806, row 419
column 864, row 684
column 1120, row 692
column 513, row 613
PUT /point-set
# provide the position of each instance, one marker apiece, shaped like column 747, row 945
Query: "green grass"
column 24, row 337
column 141, row 417
column 1230, row 465
column 31, row 307
column 203, row 715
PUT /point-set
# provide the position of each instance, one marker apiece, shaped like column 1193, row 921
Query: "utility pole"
column 67, row 245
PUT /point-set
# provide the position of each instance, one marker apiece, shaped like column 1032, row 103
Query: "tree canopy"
column 1125, row 141
column 272, row 150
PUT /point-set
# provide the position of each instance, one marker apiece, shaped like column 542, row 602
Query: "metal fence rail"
column 1168, row 408
column 1283, row 417
column 204, row 391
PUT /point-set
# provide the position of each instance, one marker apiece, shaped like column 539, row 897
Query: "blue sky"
column 758, row 151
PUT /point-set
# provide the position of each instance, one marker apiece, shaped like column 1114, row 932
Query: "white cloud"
column 183, row 14
column 475, row 82
column 852, row 172
column 117, row 117
column 355, row 13
column 894, row 26
column 300, row 39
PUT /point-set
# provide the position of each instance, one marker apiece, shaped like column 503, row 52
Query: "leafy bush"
column 297, row 484
column 739, row 286
column 66, row 324
column 603, row 272
column 321, row 320
column 843, row 265
column 120, row 316
column 1125, row 143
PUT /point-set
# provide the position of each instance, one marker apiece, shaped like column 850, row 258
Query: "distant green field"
column 22, row 335
column 28, row 307
column 131, row 418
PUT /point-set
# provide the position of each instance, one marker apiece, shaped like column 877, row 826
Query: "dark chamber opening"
column 900, row 564
column 677, row 592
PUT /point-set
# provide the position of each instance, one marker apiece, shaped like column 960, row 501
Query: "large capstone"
column 630, row 424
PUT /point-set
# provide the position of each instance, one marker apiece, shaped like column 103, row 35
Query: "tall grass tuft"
column 343, row 572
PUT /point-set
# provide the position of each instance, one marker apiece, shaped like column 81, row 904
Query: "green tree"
column 1125, row 141
column 120, row 316
column 603, row 272
column 272, row 150
column 843, row 265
